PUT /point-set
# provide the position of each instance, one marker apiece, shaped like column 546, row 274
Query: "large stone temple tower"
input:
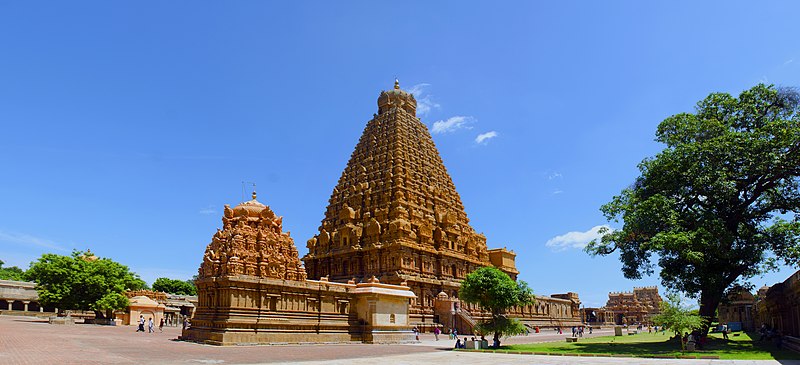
column 395, row 214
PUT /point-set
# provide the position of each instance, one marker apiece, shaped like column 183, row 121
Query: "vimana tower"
column 395, row 214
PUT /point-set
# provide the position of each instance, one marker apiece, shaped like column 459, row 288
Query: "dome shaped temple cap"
column 397, row 97
column 252, row 207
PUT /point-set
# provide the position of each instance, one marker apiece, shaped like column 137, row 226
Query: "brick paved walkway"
column 26, row 340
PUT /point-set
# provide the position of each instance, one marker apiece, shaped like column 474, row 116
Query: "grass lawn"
column 741, row 347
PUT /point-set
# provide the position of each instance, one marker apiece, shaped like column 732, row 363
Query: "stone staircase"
column 466, row 318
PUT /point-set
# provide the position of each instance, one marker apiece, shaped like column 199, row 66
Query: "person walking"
column 436, row 333
column 150, row 325
column 141, row 324
column 161, row 325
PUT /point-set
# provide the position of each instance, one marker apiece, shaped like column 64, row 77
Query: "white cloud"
column 28, row 240
column 788, row 62
column 485, row 137
column 575, row 239
column 557, row 192
column 452, row 124
column 424, row 100
column 211, row 209
column 554, row 175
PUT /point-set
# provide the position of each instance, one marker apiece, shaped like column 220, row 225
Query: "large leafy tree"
column 174, row 286
column 495, row 292
column 82, row 281
column 11, row 273
column 720, row 203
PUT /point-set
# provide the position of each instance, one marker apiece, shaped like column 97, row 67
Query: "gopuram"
column 637, row 307
column 252, row 288
column 395, row 215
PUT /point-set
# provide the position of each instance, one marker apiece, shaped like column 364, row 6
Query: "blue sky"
column 126, row 126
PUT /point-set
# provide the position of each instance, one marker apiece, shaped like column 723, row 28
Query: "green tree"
column 81, row 281
column 715, row 206
column 495, row 292
column 11, row 273
column 173, row 286
column 677, row 318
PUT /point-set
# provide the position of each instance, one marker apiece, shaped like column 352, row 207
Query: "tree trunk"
column 709, row 301
column 496, row 339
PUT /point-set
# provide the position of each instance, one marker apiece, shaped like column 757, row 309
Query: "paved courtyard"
column 28, row 340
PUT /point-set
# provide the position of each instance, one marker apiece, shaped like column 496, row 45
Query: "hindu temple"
column 395, row 214
column 252, row 289
column 636, row 307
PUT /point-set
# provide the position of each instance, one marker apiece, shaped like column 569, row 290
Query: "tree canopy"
column 720, row 203
column 83, row 282
column 495, row 292
column 174, row 286
column 678, row 318
column 11, row 273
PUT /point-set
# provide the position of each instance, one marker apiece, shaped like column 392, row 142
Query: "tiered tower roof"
column 395, row 190
column 252, row 243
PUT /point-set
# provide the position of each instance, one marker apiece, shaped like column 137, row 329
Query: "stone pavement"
column 27, row 340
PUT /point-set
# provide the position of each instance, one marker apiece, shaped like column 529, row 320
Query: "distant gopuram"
column 395, row 214
column 252, row 288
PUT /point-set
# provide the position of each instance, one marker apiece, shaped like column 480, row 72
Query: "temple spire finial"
column 396, row 84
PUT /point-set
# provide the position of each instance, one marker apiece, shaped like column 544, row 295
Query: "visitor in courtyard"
column 150, row 325
column 141, row 324
column 161, row 325
column 459, row 345
column 455, row 333
column 590, row 329
column 574, row 331
column 436, row 333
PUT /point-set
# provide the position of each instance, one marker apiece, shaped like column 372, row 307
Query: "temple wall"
column 251, row 310
column 779, row 306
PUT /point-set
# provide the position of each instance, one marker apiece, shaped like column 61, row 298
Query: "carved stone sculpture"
column 250, row 244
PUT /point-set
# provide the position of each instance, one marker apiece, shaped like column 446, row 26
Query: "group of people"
column 150, row 325
column 577, row 331
column 460, row 345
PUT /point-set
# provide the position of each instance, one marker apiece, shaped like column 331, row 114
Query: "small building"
column 143, row 306
column 738, row 308
column 178, row 307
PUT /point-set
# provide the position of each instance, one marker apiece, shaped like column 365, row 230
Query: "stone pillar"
column 26, row 305
column 10, row 303
column 41, row 309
